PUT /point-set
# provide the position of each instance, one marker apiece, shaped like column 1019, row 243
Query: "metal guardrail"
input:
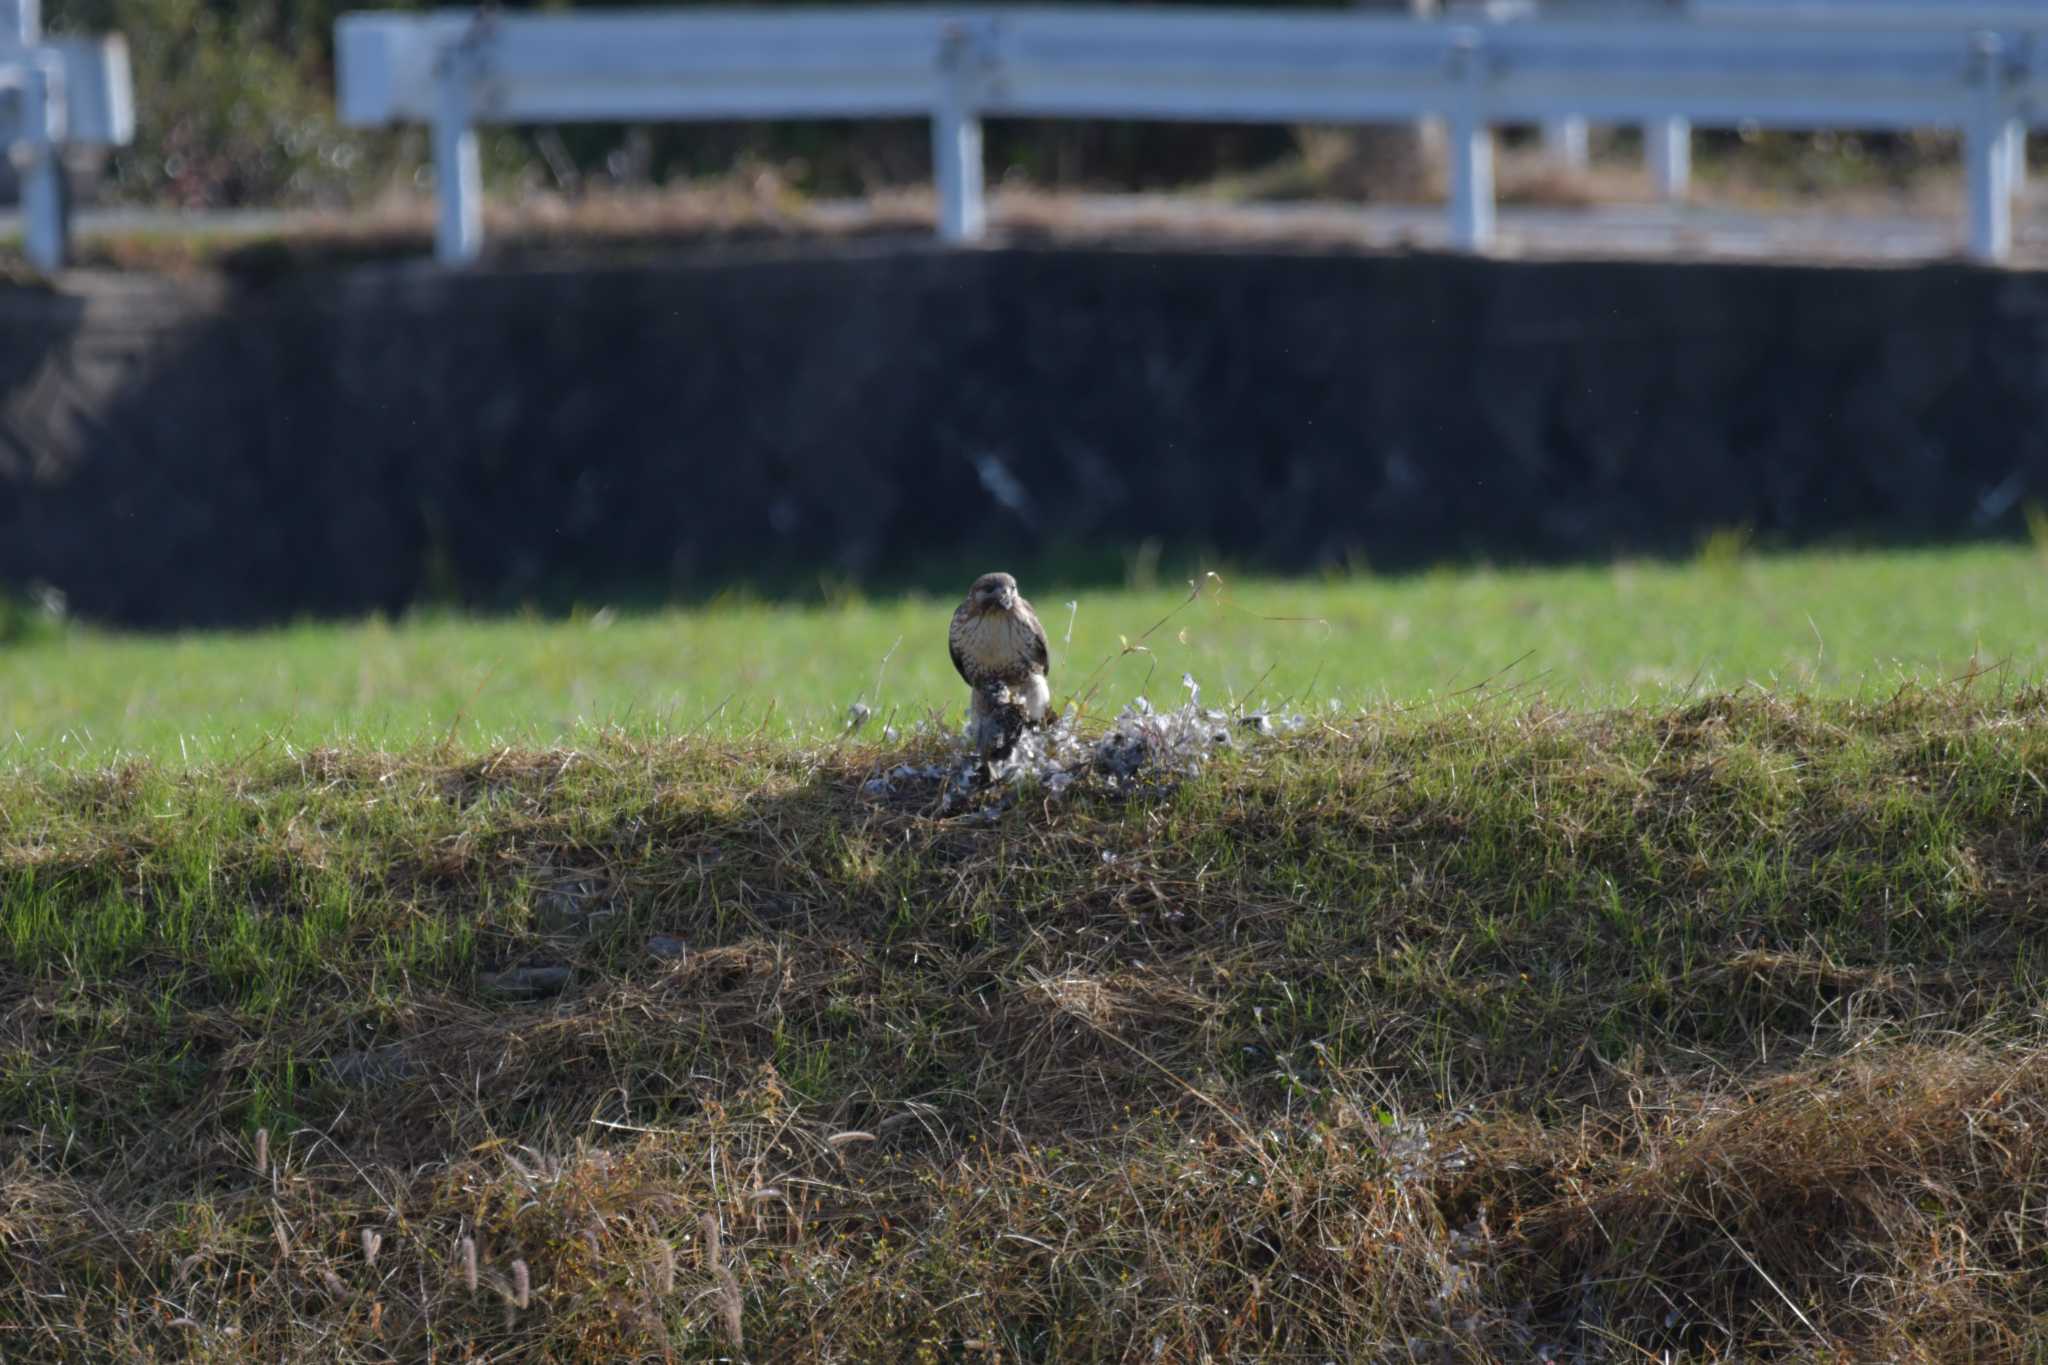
column 1920, row 14
column 454, row 70
column 54, row 94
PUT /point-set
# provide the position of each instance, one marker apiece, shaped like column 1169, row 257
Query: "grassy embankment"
column 1458, row 1023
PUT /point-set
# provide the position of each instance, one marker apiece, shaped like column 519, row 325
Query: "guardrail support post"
column 45, row 226
column 1471, row 149
column 1565, row 140
column 1669, row 143
column 956, row 147
column 458, row 171
column 44, row 221
column 1471, row 183
column 1988, row 160
column 1987, row 153
column 21, row 22
column 957, row 173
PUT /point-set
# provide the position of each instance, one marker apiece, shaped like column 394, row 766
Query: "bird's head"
column 993, row 592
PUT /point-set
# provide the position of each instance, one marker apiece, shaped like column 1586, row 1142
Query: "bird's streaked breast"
column 995, row 643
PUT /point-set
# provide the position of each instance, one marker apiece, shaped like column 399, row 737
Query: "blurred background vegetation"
column 237, row 110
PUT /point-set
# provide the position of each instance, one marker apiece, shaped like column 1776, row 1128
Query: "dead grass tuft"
column 1875, row 1204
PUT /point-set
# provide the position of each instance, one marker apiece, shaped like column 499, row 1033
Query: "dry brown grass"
column 756, row 206
column 1881, row 1207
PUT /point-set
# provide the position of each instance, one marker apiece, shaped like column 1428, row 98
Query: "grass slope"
column 1828, row 622
column 1470, row 1030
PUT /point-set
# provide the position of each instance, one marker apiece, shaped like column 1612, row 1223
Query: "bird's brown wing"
column 1038, row 653
column 953, row 648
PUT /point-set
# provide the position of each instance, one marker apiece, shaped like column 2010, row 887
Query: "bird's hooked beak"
column 1006, row 598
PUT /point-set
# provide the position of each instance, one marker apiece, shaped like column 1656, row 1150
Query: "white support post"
column 1987, row 154
column 1471, row 149
column 957, row 173
column 1564, row 139
column 44, row 223
column 1471, row 183
column 22, row 20
column 1669, row 144
column 45, row 229
column 957, row 169
column 458, row 170
column 2016, row 157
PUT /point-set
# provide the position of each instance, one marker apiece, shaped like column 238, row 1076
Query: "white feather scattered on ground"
column 1143, row 747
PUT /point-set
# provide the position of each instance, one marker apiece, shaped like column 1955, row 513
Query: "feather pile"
column 1144, row 749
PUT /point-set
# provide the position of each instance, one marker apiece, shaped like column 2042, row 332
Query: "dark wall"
column 350, row 439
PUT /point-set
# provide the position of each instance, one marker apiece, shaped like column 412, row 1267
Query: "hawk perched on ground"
column 999, row 648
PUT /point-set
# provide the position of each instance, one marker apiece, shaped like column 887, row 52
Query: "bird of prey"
column 999, row 648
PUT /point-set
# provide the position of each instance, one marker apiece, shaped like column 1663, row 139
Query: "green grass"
column 1833, row 623
column 1606, row 1015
